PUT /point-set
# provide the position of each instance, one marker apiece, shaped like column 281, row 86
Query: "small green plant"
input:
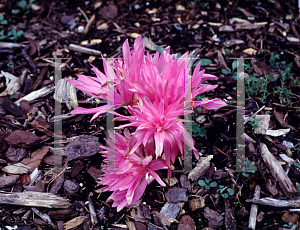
column 248, row 168
column 225, row 192
column 23, row 6
column 296, row 164
column 197, row 130
column 231, row 71
column 203, row 4
column 206, row 183
column 290, row 225
column 204, row 62
column 258, row 85
column 227, row 51
column 12, row 35
column 298, row 188
column 254, row 123
column 2, row 20
column 273, row 59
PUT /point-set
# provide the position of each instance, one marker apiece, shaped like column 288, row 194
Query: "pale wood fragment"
column 44, row 217
column 10, row 45
column 254, row 208
column 37, row 94
column 92, row 210
column 85, row 50
column 277, row 203
column 202, row 166
column 34, row 199
column 277, row 171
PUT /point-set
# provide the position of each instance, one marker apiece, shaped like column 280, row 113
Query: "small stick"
column 84, row 50
column 254, row 208
column 89, row 23
column 26, row 215
column 92, row 210
column 44, row 217
column 246, row 120
column 9, row 45
column 83, row 13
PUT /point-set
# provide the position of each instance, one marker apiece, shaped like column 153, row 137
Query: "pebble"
column 80, row 29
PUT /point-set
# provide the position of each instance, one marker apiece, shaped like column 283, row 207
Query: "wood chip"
column 278, row 132
column 214, row 219
column 186, row 223
column 35, row 199
column 171, row 210
column 175, row 195
column 230, row 221
column 233, row 42
column 264, row 121
column 295, row 203
column 23, row 139
column 82, row 147
column 201, row 168
column 8, row 181
column 254, row 209
column 277, row 171
column 196, row 203
column 37, row 94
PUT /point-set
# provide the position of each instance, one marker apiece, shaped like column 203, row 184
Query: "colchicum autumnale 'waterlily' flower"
column 157, row 90
column 132, row 173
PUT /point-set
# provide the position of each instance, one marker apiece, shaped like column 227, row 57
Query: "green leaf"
column 221, row 186
column 205, row 62
column 234, row 76
column 234, row 65
column 3, row 22
column 196, row 63
column 1, row 17
column 296, row 164
column 22, row 4
column 14, row 33
column 216, row 195
column 226, row 71
column 247, row 162
column 202, row 132
column 201, row 183
column 160, row 49
column 227, row 51
column 31, row 1
column 224, row 195
column 178, row 55
column 20, row 33
column 15, row 11
column 207, row 187
column 230, row 191
column 213, row 184
column 207, row 180
column 245, row 174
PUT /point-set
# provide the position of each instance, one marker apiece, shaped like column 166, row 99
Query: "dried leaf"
column 74, row 222
column 12, row 84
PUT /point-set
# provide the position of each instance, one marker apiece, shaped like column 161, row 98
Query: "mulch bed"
column 212, row 196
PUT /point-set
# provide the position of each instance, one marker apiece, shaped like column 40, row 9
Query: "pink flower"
column 155, row 77
column 132, row 173
column 155, row 122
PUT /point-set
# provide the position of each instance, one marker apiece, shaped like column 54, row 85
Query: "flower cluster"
column 157, row 90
